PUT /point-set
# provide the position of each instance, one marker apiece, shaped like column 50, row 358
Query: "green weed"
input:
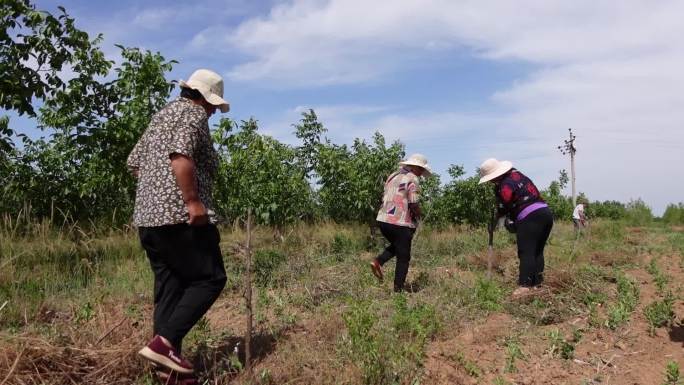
column 672, row 375
column 342, row 246
column 659, row 278
column 488, row 294
column 660, row 313
column 627, row 300
column 364, row 342
column 265, row 264
column 85, row 313
column 560, row 346
column 470, row 367
column 513, row 353
column 388, row 354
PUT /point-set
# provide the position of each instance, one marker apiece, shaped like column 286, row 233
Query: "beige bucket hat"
column 417, row 160
column 210, row 85
column 492, row 168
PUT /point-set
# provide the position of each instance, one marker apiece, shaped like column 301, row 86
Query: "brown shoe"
column 376, row 269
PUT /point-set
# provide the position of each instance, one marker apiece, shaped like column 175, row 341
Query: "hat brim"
column 503, row 168
column 426, row 167
column 209, row 96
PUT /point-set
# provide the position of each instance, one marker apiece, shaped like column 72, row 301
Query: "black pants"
column 188, row 275
column 400, row 238
column 532, row 234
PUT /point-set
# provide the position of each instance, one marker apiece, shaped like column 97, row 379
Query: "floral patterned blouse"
column 181, row 127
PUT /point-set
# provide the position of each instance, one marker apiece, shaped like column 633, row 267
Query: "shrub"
column 265, row 264
column 638, row 213
column 674, row 214
column 341, row 246
column 607, row 209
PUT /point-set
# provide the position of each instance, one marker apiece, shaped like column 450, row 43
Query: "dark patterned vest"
column 514, row 193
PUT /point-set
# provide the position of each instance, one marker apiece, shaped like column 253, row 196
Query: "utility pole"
column 568, row 147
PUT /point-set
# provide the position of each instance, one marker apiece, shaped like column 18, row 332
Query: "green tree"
column 606, row 209
column 258, row 172
column 37, row 49
column 674, row 214
column 309, row 130
column 560, row 205
column 351, row 179
column 464, row 200
column 81, row 166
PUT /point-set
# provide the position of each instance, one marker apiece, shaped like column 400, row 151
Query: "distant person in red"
column 175, row 163
column 527, row 214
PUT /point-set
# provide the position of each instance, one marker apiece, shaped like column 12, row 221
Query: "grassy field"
column 75, row 305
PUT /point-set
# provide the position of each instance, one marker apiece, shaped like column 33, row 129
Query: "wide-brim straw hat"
column 492, row 168
column 210, row 85
column 417, row 160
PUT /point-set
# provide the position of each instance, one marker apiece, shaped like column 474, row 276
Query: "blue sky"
column 457, row 80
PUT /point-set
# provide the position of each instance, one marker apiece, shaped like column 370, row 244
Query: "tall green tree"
column 39, row 51
column 81, row 167
column 351, row 179
column 464, row 200
column 256, row 171
column 310, row 131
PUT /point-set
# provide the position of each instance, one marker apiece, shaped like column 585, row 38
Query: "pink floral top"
column 401, row 189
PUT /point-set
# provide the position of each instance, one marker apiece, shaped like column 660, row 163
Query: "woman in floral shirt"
column 399, row 215
column 519, row 200
column 175, row 162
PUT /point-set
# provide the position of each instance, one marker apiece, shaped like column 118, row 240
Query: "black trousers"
column 532, row 234
column 188, row 275
column 400, row 238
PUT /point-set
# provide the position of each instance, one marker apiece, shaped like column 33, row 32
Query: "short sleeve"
column 184, row 136
column 134, row 158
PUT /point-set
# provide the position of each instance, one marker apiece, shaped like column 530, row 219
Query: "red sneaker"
column 376, row 269
column 159, row 352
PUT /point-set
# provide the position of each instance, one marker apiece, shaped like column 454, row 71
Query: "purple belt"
column 530, row 209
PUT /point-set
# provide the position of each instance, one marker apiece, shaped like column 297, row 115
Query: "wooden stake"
column 490, row 254
column 490, row 246
column 248, row 295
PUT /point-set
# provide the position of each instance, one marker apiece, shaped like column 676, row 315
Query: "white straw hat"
column 417, row 160
column 492, row 168
column 210, row 85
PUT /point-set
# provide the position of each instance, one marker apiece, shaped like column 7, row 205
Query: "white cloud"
column 346, row 41
column 154, row 18
column 611, row 70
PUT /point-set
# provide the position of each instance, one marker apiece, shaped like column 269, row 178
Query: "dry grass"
column 98, row 352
